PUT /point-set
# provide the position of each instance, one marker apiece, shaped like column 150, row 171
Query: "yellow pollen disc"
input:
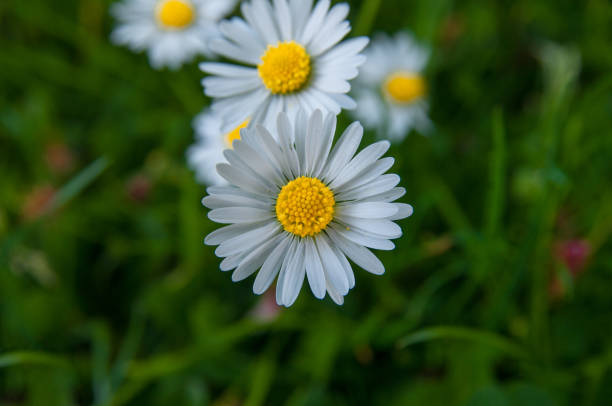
column 405, row 87
column 305, row 206
column 175, row 14
column 234, row 134
column 284, row 68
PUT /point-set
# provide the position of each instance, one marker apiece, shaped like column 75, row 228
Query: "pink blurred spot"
column 574, row 254
column 37, row 201
column 138, row 188
column 59, row 158
column 266, row 309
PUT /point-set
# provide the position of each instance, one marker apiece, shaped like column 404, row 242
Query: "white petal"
column 218, row 201
column 343, row 100
column 280, row 283
column 404, row 210
column 346, row 49
column 343, row 151
column 241, row 33
column 382, row 184
column 285, row 140
column 229, row 215
column 336, row 297
column 255, row 259
column 271, row 265
column 231, row 231
column 301, row 125
column 358, row 254
column 333, row 268
column 224, row 87
column 315, row 21
column 231, row 262
column 389, row 196
column 367, row 210
column 247, row 241
column 313, row 140
column 235, row 191
column 381, row 228
column 300, row 10
column 232, row 51
column 348, row 270
column 372, row 172
column 333, row 30
column 244, row 179
column 314, row 269
column 331, row 84
column 283, row 17
column 258, row 163
column 227, row 70
column 362, row 160
column 258, row 14
column 294, row 277
column 365, row 239
column 327, row 137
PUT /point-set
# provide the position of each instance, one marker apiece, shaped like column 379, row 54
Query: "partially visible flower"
column 298, row 208
column 294, row 61
column 38, row 201
column 204, row 155
column 391, row 91
column 574, row 254
column 172, row 31
column 138, row 188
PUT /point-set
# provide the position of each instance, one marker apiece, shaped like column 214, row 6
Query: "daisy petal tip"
column 208, row 241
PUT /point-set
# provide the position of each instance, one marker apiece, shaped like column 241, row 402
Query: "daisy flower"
column 173, row 31
column 291, row 58
column 298, row 208
column 391, row 90
column 204, row 155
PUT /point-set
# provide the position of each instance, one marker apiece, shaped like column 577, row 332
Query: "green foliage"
column 108, row 296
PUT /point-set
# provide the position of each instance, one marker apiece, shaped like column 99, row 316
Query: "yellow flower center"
column 405, row 87
column 305, row 206
column 284, row 68
column 175, row 14
column 234, row 134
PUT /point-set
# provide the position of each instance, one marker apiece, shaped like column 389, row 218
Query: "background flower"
column 207, row 151
column 294, row 60
column 172, row 31
column 391, row 90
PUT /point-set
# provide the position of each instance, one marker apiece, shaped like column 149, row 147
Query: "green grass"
column 108, row 296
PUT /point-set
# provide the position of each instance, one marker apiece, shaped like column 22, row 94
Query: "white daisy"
column 173, row 31
column 293, row 61
column 299, row 208
column 204, row 155
column 391, row 90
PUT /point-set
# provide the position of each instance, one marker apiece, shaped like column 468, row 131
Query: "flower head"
column 291, row 59
column 172, row 31
column 391, row 90
column 204, row 155
column 299, row 207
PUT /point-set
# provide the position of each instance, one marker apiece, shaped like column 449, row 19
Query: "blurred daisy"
column 173, row 31
column 293, row 61
column 300, row 208
column 204, row 155
column 391, row 90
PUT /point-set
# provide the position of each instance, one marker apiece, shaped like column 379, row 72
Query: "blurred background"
column 497, row 294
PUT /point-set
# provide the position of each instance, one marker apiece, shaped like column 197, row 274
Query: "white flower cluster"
column 297, row 205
